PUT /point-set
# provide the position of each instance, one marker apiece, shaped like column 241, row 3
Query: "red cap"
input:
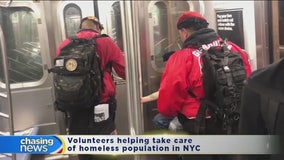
column 189, row 14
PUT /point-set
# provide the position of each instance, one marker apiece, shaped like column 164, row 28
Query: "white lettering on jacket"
column 209, row 45
column 198, row 52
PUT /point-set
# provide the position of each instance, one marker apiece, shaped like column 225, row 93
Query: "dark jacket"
column 265, row 83
column 183, row 73
column 108, row 51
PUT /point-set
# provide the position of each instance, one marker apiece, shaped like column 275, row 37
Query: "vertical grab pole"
column 132, row 56
column 7, row 82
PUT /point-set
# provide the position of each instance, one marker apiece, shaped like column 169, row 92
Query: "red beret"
column 188, row 15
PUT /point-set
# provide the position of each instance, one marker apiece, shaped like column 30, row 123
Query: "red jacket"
column 108, row 51
column 183, row 73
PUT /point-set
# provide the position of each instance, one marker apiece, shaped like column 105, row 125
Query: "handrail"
column 2, row 94
column 4, row 115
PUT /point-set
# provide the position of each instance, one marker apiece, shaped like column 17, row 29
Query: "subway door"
column 110, row 16
column 281, row 25
column 161, row 37
column 68, row 15
column 27, row 49
column 275, row 30
column 108, row 12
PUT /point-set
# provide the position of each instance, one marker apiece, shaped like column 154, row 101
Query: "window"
column 116, row 28
column 20, row 31
column 162, row 27
column 160, row 32
column 72, row 18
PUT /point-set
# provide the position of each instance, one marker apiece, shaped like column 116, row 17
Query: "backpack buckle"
column 227, row 69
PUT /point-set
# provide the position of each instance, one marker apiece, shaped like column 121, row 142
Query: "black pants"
column 211, row 128
column 82, row 123
column 189, row 125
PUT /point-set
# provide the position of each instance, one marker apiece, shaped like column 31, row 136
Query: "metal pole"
column 7, row 82
column 96, row 9
column 132, row 54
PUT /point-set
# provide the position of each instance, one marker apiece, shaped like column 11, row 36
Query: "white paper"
column 101, row 112
column 59, row 62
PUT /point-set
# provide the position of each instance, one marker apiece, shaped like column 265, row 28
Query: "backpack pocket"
column 74, row 93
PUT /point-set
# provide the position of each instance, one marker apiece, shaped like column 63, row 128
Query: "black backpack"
column 78, row 78
column 224, row 74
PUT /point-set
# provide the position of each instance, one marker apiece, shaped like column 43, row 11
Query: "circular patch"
column 71, row 65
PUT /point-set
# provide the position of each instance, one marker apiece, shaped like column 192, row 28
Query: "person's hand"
column 142, row 100
column 145, row 99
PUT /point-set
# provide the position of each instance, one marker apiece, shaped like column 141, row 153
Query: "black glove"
column 167, row 55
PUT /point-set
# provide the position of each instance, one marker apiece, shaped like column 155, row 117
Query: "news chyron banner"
column 145, row 144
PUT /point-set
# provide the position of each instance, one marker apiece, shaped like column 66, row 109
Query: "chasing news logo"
column 40, row 144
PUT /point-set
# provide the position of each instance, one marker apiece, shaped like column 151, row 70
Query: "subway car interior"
column 30, row 32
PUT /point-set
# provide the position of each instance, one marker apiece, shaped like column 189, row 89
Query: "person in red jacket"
column 176, row 80
column 183, row 70
column 82, row 122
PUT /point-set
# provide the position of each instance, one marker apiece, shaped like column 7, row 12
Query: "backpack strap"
column 107, row 65
column 225, row 65
column 199, row 126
